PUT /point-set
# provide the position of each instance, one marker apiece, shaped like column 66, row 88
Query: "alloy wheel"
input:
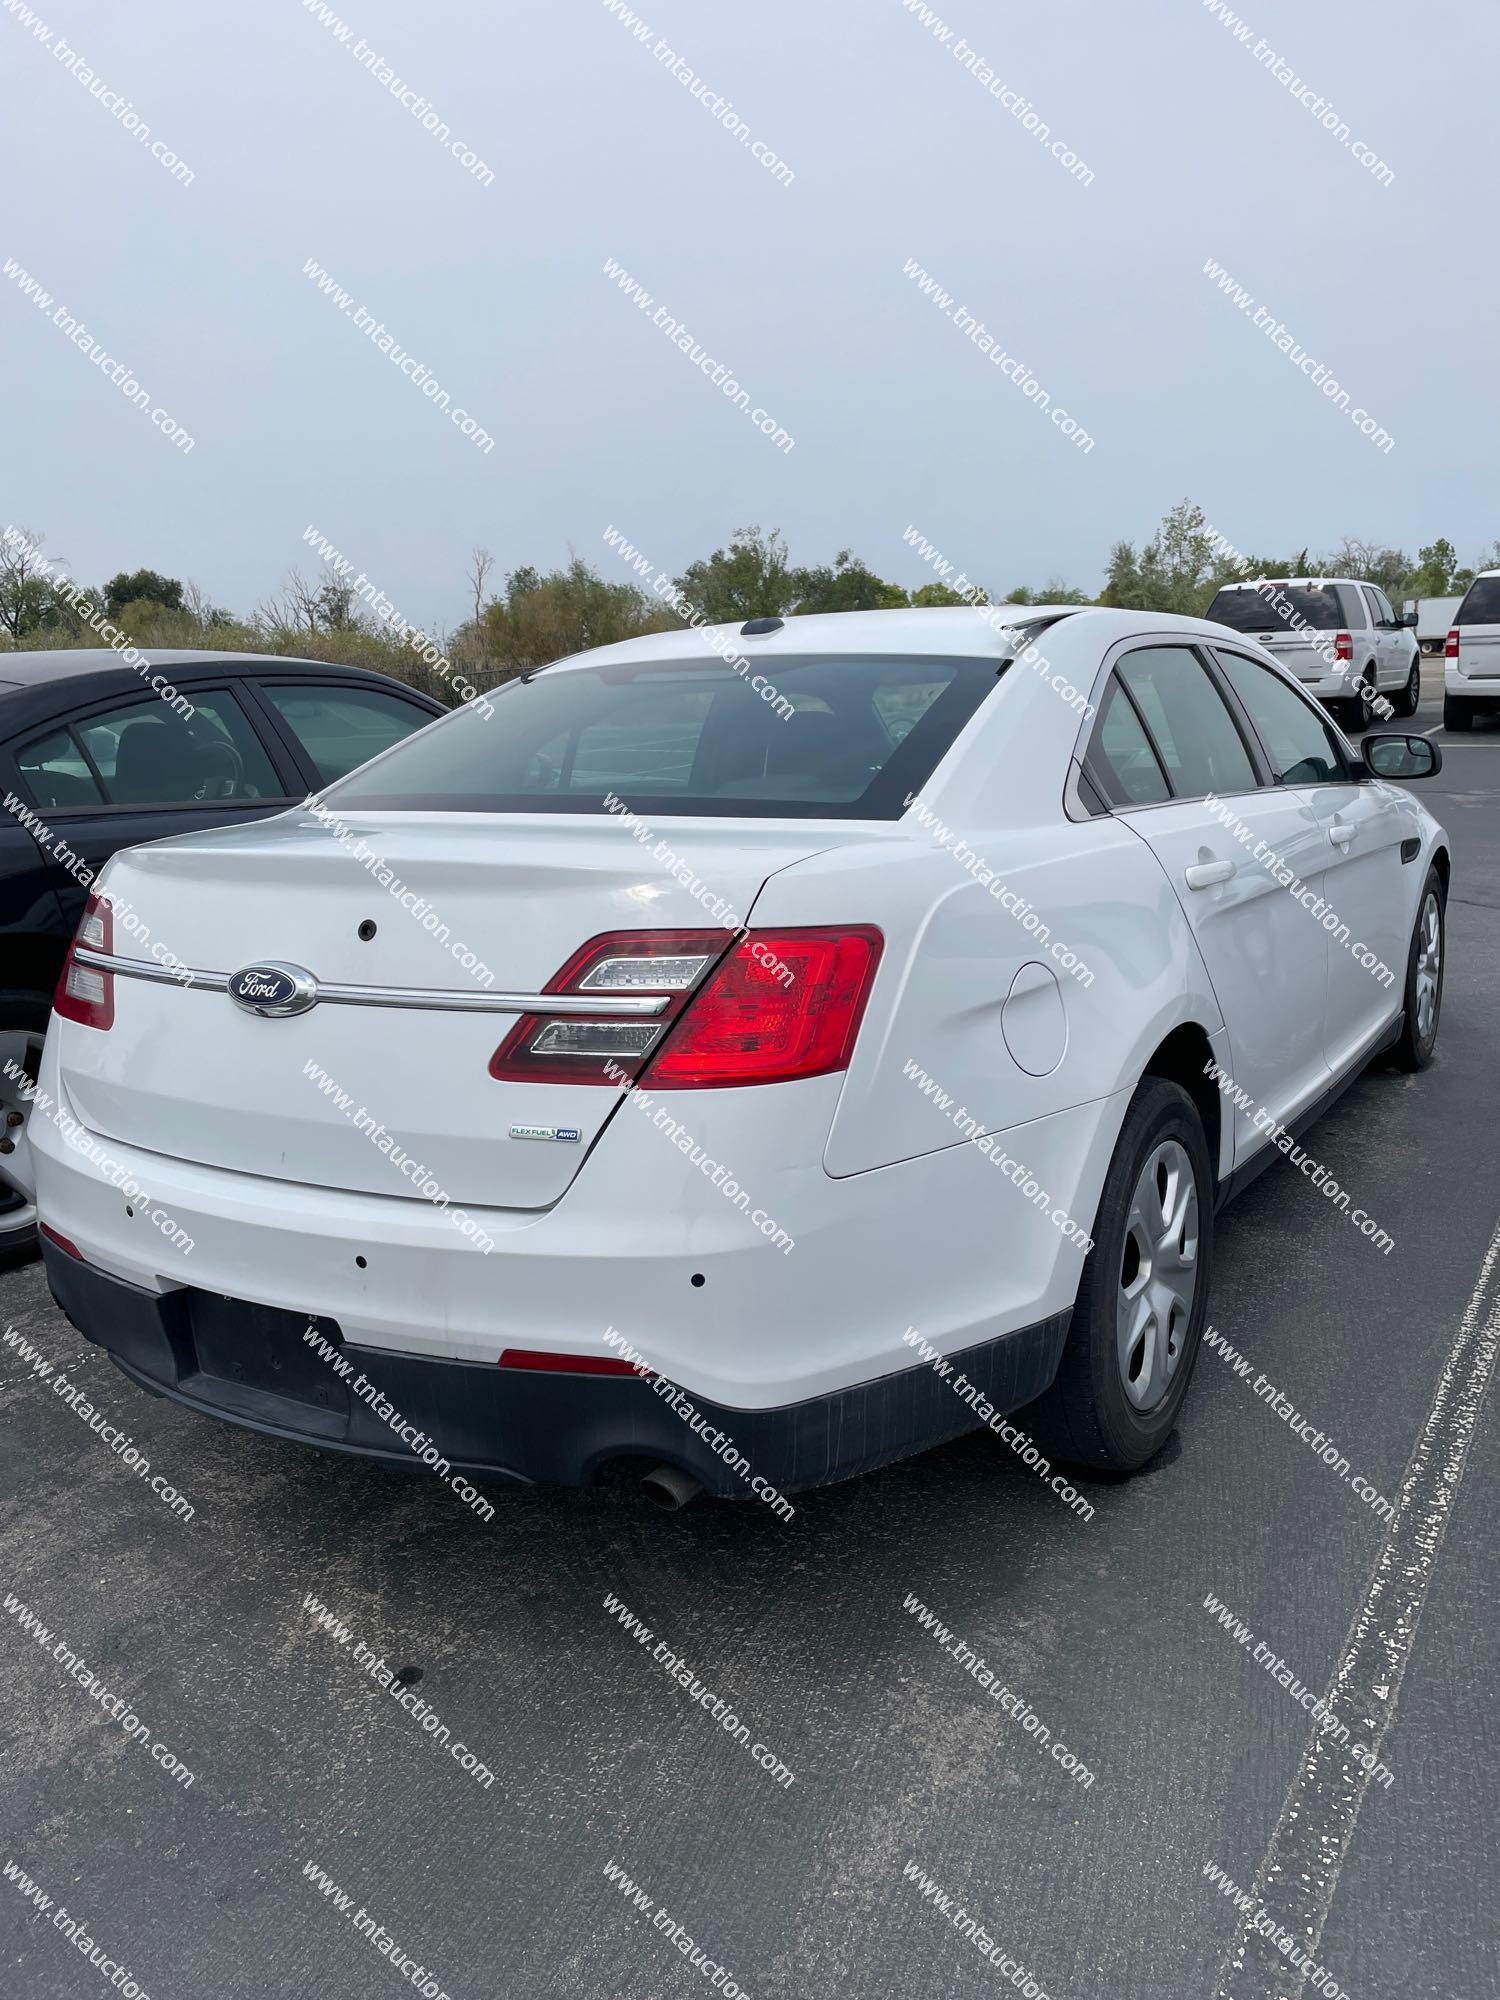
column 20, row 1051
column 1158, row 1275
column 1429, row 965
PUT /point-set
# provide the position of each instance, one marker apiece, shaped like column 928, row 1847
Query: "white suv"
column 1471, row 664
column 1342, row 639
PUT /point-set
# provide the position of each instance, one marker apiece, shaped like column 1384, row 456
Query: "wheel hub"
column 1158, row 1275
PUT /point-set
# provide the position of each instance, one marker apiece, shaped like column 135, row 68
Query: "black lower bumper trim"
column 251, row 1366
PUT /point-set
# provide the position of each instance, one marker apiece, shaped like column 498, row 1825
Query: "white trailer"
column 1434, row 616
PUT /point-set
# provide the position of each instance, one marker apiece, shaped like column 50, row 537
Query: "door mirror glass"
column 1411, row 620
column 1400, row 757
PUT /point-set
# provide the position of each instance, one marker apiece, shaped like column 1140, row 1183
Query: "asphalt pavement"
column 903, row 1760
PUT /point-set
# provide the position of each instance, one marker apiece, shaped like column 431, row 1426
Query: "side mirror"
column 1400, row 757
column 1410, row 620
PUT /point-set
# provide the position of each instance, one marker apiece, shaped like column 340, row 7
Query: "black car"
column 96, row 755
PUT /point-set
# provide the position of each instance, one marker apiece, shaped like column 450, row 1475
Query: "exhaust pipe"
column 667, row 1487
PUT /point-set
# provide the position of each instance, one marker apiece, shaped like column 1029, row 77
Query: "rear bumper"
column 251, row 1366
column 1472, row 687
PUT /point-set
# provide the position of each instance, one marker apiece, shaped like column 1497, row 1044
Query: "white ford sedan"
column 660, row 1066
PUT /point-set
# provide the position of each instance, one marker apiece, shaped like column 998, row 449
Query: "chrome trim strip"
column 589, row 1006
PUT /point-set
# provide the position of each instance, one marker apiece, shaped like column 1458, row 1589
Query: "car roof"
column 1316, row 582
column 37, row 687
column 952, row 629
column 63, row 663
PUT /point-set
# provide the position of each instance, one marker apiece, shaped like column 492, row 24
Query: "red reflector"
column 1450, row 645
column 781, row 1006
column 54, row 1236
column 85, row 993
column 561, row 1364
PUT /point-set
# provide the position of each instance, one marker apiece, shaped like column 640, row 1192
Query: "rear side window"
column 57, row 775
column 1372, row 604
column 1481, row 605
column 1193, row 732
column 833, row 737
column 341, row 728
column 1121, row 762
column 144, row 753
column 1299, row 742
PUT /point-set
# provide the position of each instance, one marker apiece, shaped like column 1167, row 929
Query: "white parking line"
column 1299, row 1873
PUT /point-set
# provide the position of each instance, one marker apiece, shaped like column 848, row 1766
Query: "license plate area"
column 254, row 1360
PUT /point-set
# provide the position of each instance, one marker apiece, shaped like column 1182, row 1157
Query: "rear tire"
column 23, row 1027
column 1406, row 702
column 1425, row 963
column 1458, row 714
column 1143, row 1296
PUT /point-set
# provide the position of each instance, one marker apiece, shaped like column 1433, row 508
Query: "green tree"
column 542, row 618
column 849, row 585
column 1123, row 588
column 752, row 578
column 143, row 585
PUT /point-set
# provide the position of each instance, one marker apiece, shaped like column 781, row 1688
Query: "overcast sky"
column 899, row 153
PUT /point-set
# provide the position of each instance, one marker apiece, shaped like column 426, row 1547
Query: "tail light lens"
column 1343, row 646
column 85, row 993
column 571, row 1048
column 772, row 1007
column 783, row 1005
column 1450, row 645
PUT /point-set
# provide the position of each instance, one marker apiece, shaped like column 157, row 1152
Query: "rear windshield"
column 834, row 738
column 1482, row 604
column 1279, row 607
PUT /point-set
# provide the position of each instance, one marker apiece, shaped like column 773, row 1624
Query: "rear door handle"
column 1341, row 832
column 1204, row 874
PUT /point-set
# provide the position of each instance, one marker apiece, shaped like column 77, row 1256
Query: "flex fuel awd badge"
column 568, row 1133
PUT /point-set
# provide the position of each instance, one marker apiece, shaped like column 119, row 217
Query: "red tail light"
column 1450, row 645
column 85, row 993
column 777, row 1006
column 1343, row 646
column 782, row 1005
column 572, row 1048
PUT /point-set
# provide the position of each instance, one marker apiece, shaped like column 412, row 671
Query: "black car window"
column 1196, row 735
column 1481, row 605
column 1121, row 762
column 148, row 754
column 1302, row 748
column 57, row 773
column 341, row 728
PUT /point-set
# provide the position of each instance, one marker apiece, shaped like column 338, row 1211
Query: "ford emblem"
column 273, row 989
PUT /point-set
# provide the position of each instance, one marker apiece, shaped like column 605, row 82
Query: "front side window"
column 341, row 728
column 1193, row 731
column 1302, row 748
column 837, row 737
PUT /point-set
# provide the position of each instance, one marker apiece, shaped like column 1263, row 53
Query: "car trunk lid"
column 380, row 1097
